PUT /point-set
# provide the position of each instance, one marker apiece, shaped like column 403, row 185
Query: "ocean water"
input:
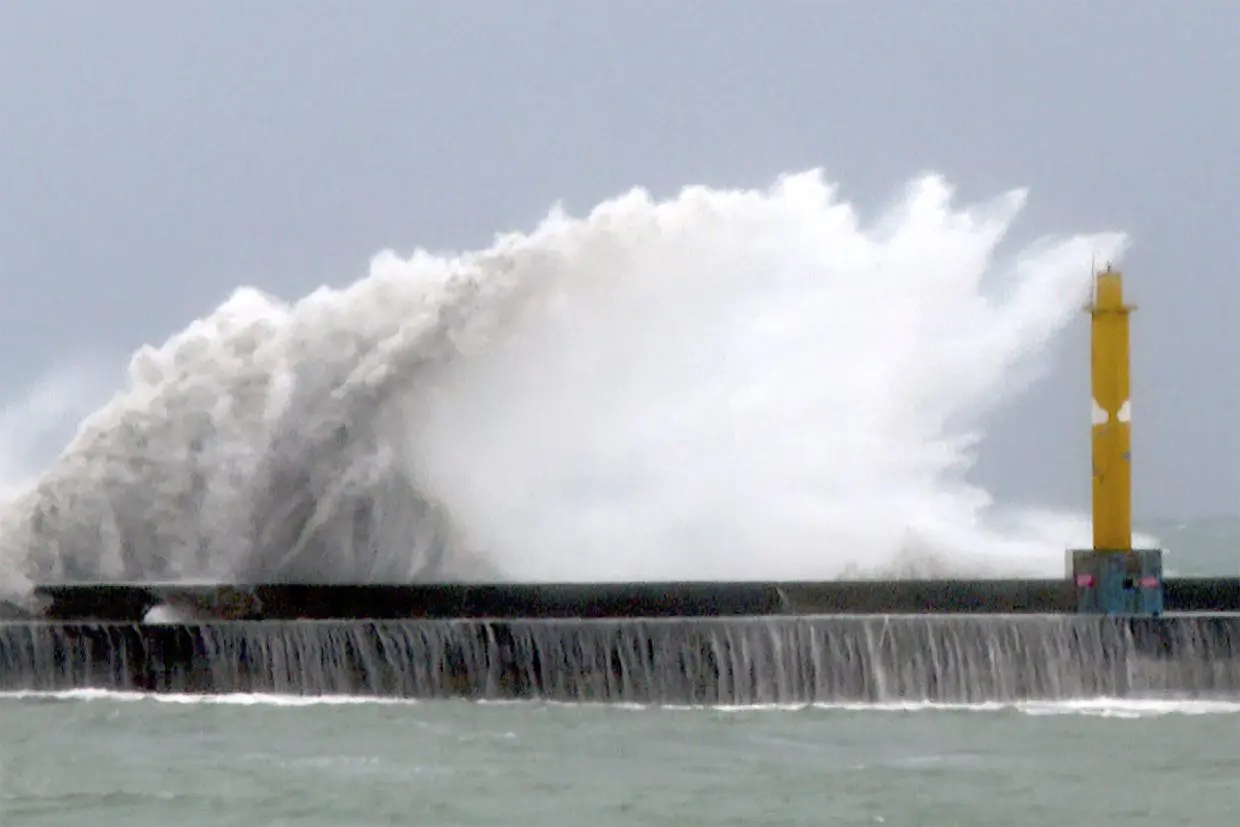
column 1201, row 547
column 119, row 760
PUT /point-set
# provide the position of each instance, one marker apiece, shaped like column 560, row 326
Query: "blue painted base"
column 1119, row 582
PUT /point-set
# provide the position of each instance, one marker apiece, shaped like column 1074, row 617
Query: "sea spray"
column 743, row 384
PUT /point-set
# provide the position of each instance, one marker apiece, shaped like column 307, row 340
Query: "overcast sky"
column 155, row 155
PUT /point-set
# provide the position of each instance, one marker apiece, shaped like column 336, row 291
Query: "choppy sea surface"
column 1201, row 547
column 112, row 760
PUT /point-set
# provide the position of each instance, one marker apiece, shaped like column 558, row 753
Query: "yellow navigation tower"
column 1112, row 413
column 1113, row 577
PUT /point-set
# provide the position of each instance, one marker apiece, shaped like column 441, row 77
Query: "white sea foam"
column 1090, row 707
column 237, row 699
column 725, row 384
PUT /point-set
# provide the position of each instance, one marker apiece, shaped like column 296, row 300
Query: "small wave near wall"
column 723, row 384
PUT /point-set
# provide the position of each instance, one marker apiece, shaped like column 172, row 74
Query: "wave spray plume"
column 725, row 384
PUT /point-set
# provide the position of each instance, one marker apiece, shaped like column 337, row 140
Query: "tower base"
column 1118, row 581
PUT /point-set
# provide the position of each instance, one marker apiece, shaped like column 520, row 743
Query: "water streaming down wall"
column 733, row 661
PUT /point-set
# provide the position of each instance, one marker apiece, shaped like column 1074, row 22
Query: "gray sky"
column 155, row 155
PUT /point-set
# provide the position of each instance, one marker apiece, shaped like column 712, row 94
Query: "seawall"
column 292, row 601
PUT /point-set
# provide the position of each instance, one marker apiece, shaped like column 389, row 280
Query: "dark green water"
column 108, row 761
